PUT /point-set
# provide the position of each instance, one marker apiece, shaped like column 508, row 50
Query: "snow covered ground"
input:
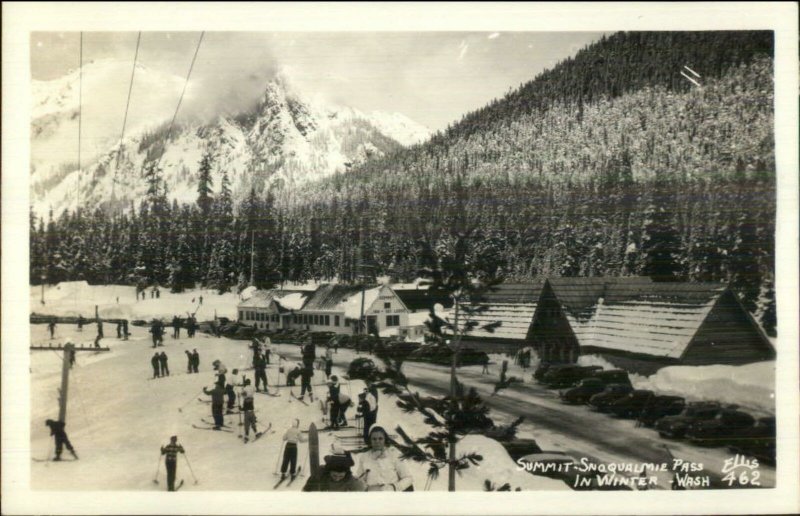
column 118, row 416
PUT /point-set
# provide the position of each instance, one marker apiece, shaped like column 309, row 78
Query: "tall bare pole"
column 252, row 258
column 69, row 349
column 451, row 470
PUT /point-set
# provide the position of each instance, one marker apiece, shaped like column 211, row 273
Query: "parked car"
column 585, row 389
column 568, row 375
column 632, row 404
column 362, row 369
column 758, row 440
column 443, row 355
column 676, row 426
column 611, row 393
column 661, row 406
column 726, row 427
column 396, row 349
column 610, row 376
column 544, row 367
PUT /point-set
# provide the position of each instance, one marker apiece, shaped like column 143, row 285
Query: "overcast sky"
column 432, row 77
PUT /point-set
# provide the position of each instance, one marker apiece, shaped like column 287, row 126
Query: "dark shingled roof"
column 423, row 299
column 328, row 297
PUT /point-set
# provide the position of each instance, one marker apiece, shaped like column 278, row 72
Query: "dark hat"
column 173, row 438
column 339, row 462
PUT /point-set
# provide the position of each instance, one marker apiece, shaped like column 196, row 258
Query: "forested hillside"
column 612, row 163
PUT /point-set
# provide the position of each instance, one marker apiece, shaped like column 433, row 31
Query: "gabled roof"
column 512, row 305
column 658, row 319
column 341, row 298
column 263, row 298
column 423, row 299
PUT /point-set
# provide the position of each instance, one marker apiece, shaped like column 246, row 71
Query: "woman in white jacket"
column 380, row 468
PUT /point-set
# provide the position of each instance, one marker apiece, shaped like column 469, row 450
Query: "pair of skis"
column 313, row 458
column 212, row 426
column 258, row 434
column 291, row 478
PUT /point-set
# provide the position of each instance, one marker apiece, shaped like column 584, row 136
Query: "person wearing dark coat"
column 188, row 361
column 191, row 325
column 100, row 328
column 125, row 333
column 333, row 399
column 52, row 327
column 80, row 323
column 328, row 367
column 176, row 327
column 195, row 361
column 119, row 330
column 57, row 431
column 164, row 367
column 336, row 475
column 305, row 382
column 171, row 451
column 217, row 394
column 156, row 362
column 260, row 367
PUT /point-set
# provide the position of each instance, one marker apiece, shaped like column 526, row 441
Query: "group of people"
column 192, row 361
column 160, row 363
column 380, row 468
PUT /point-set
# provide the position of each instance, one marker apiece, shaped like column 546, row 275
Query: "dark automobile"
column 611, row 393
column 676, row 426
column 443, row 355
column 758, row 440
column 568, row 375
column 398, row 350
column 544, row 367
column 585, row 389
column 726, row 427
column 362, row 369
column 613, row 376
column 632, row 404
column 661, row 406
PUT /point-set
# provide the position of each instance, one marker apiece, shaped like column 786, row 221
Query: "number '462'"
column 743, row 478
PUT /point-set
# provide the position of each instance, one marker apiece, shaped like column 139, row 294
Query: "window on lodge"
column 392, row 320
column 336, row 320
column 387, row 305
column 241, row 315
column 327, row 320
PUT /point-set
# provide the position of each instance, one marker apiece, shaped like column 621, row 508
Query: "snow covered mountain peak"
column 286, row 140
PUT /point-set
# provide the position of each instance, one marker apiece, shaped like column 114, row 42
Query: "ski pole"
column 158, row 467
column 180, row 409
column 190, row 468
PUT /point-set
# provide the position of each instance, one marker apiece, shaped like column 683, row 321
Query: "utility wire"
column 185, row 84
column 127, row 105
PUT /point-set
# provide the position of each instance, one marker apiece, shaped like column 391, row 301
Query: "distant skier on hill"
column 171, row 451
column 195, row 360
column 156, row 363
column 164, row 366
column 57, row 431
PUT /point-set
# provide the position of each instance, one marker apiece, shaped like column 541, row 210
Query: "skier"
column 155, row 330
column 156, row 362
column 125, row 333
column 267, row 348
column 191, row 325
column 260, row 366
column 158, row 294
column 485, row 369
column 231, row 392
column 344, row 403
column 57, row 431
column 309, row 354
column 367, row 409
column 52, row 327
column 189, row 361
column 248, row 409
column 305, row 382
column 217, row 394
column 80, row 323
column 195, row 360
column 292, row 437
column 293, row 374
column 381, row 467
column 119, row 329
column 100, row 328
column 333, row 399
column 176, row 327
column 171, row 451
column 336, row 475
column 220, row 368
column 164, row 367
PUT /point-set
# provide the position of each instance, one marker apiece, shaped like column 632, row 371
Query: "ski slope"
column 118, row 417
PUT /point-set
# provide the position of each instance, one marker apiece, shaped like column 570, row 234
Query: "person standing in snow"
column 292, row 437
column 201, row 300
column 80, row 323
column 217, row 394
column 381, row 467
column 195, row 361
column 119, row 329
column 125, row 333
column 368, row 410
column 57, row 431
column 229, row 390
column 52, row 327
column 154, row 330
column 267, row 348
column 100, row 328
column 176, row 327
column 305, row 382
column 260, row 367
column 248, row 409
column 344, row 403
column 333, row 399
column 171, row 451
column 156, row 363
column 328, row 367
column 188, row 361
column 292, row 375
column 164, row 366
column 221, row 370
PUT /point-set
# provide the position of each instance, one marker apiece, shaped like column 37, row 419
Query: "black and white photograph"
column 433, row 250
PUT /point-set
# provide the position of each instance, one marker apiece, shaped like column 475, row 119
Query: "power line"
column 127, row 105
column 185, row 84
